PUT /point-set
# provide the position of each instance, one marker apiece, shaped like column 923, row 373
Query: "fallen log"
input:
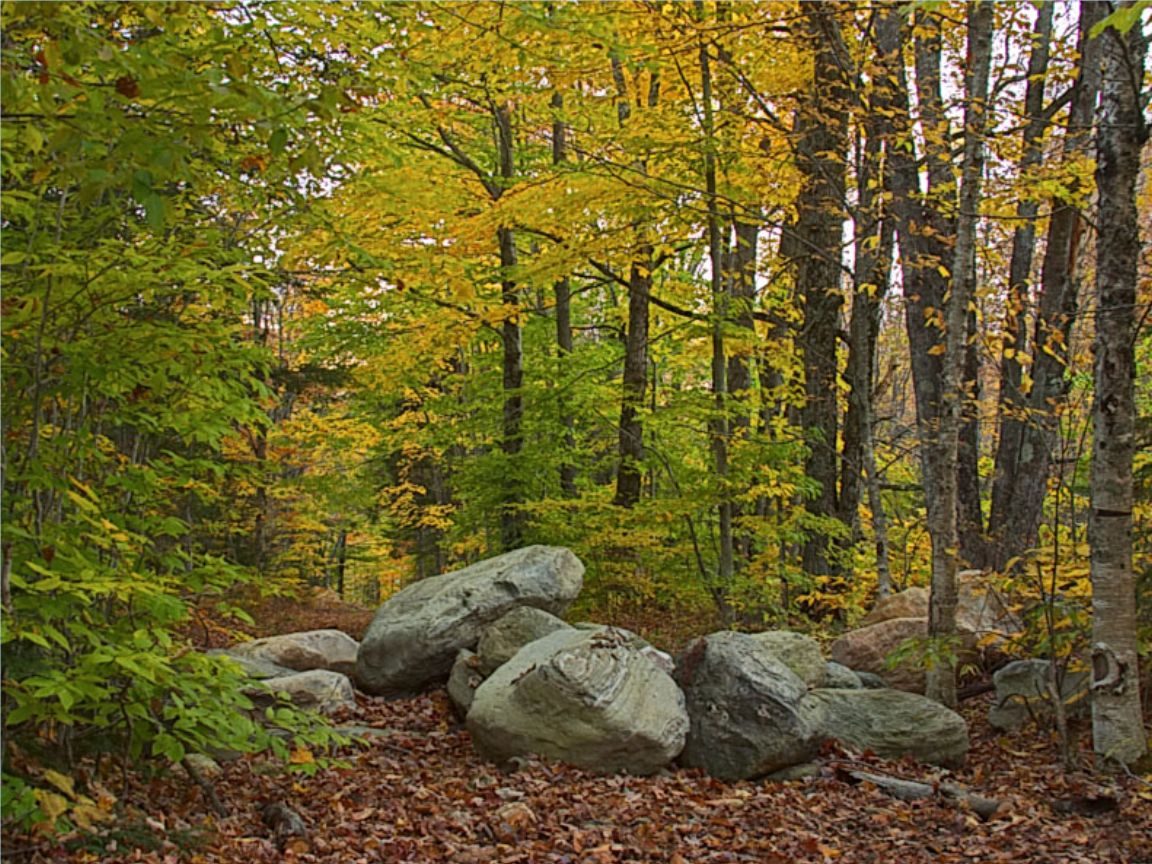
column 912, row 790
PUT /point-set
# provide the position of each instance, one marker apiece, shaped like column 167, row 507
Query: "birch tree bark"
column 1117, row 726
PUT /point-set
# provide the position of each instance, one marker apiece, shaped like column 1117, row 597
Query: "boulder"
column 252, row 666
column 866, row 650
column 662, row 659
column 871, row 681
column 891, row 724
column 798, row 652
column 910, row 603
column 511, row 632
column 1022, row 693
column 585, row 697
column 748, row 719
column 415, row 636
column 320, row 689
column 311, row 649
column 463, row 680
column 980, row 609
column 839, row 677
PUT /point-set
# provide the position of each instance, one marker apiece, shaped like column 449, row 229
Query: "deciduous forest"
column 730, row 326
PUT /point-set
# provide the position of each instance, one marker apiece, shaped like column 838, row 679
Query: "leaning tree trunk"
column 1117, row 726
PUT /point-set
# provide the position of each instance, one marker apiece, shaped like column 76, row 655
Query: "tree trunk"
column 725, row 568
column 821, row 155
column 562, row 291
column 1117, row 726
column 630, row 474
column 1028, row 419
column 940, row 445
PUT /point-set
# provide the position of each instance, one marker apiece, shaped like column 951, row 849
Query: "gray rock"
column 511, row 632
column 1022, row 694
column 870, row 680
column 747, row 716
column 891, row 724
column 798, row 652
column 583, row 697
column 252, row 666
column 415, row 636
column 311, row 649
column 463, row 680
column 319, row 689
column 867, row 650
column 839, row 677
column 205, row 766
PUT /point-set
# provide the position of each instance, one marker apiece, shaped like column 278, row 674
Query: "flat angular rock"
column 511, row 632
column 251, row 666
column 798, row 652
column 891, row 724
column 334, row 650
column 319, row 689
column 909, row 603
column 867, row 650
column 748, row 719
column 583, row 697
column 414, row 638
column 1022, row 694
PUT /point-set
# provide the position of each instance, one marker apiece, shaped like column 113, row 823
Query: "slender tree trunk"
column 630, row 474
column 1117, row 725
column 563, row 294
column 741, row 280
column 1029, row 419
column 725, row 569
column 941, row 445
column 821, row 154
column 512, row 441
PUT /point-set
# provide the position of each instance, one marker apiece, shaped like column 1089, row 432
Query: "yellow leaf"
column 302, row 756
column 937, row 350
column 63, row 782
column 87, row 815
column 51, row 805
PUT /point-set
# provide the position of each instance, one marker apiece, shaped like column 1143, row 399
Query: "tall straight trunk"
column 941, row 444
column 1029, row 419
column 821, row 155
column 725, row 569
column 630, row 474
column 562, row 292
column 1117, row 725
column 875, row 236
column 741, row 281
column 512, row 440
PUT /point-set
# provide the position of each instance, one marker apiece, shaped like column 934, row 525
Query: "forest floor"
column 418, row 793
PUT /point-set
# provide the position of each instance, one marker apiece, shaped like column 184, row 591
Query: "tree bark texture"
column 1117, row 725
column 1028, row 423
column 821, row 155
column 562, row 292
column 941, row 445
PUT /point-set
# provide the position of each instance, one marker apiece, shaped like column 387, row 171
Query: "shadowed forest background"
column 764, row 310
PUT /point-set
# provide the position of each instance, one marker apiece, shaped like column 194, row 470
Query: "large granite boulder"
column 415, row 636
column 798, row 652
column 511, row 632
column 1022, row 693
column 251, row 666
column 909, row 603
column 891, row 724
column 583, row 697
column 318, row 689
column 311, row 649
column 867, row 650
column 748, row 719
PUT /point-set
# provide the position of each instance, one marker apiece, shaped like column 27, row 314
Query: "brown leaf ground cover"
column 417, row 793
